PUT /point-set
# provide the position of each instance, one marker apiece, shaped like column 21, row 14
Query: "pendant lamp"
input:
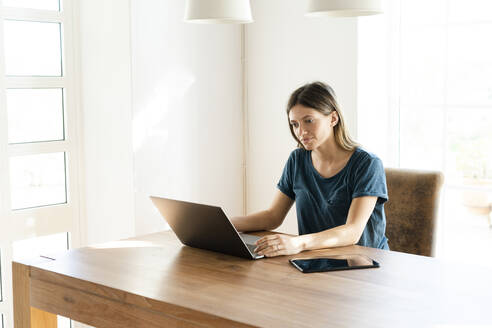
column 343, row 8
column 218, row 11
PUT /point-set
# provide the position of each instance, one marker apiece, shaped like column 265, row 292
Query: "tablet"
column 334, row 263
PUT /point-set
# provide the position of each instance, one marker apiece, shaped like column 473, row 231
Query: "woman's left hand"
column 275, row 245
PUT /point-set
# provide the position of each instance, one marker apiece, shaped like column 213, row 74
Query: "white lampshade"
column 343, row 8
column 218, row 11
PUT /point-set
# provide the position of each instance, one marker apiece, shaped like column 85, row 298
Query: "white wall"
column 378, row 120
column 284, row 51
column 187, row 119
column 105, row 84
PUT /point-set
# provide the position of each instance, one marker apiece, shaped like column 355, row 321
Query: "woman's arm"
column 348, row 234
column 268, row 219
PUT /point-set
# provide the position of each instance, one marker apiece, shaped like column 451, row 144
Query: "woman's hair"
column 321, row 97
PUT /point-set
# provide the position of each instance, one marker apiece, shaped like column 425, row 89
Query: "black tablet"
column 334, row 263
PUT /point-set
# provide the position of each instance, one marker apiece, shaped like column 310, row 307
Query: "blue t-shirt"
column 323, row 203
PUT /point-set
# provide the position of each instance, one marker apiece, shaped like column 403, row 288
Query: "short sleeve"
column 285, row 184
column 370, row 179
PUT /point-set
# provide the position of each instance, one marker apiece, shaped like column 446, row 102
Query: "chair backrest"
column 411, row 211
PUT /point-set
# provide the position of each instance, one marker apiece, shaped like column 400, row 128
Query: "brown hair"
column 321, row 97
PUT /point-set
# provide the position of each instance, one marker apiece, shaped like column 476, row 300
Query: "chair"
column 411, row 211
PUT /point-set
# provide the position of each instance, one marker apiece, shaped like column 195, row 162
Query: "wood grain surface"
column 24, row 314
column 155, row 281
column 21, row 295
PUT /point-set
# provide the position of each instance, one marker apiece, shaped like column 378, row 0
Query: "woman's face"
column 311, row 127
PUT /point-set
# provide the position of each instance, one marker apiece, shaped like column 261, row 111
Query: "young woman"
column 339, row 189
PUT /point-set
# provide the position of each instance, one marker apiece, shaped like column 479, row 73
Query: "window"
column 38, row 180
column 39, row 154
column 436, row 66
column 32, row 48
column 446, row 95
column 35, row 115
column 53, row 5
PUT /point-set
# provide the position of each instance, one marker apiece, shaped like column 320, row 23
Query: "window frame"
column 51, row 219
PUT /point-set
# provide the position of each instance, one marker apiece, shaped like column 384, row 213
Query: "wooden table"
column 154, row 281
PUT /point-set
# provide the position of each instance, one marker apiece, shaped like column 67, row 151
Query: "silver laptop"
column 205, row 227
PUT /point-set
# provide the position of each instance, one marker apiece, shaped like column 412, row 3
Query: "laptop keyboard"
column 251, row 248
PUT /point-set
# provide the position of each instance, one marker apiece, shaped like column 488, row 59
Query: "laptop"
column 206, row 227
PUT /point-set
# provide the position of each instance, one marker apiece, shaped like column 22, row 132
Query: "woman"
column 339, row 189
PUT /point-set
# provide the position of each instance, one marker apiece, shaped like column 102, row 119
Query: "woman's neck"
column 330, row 152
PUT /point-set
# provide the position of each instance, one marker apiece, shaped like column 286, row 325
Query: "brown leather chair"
column 411, row 211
